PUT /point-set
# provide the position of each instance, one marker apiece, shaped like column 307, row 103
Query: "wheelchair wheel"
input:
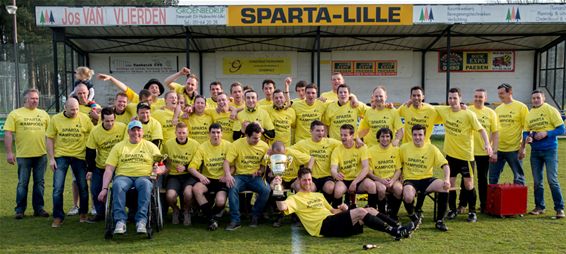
column 109, row 218
column 158, row 210
column 151, row 222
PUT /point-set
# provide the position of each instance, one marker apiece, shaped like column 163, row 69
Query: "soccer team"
column 218, row 147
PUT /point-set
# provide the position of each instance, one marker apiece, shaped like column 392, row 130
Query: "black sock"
column 336, row 202
column 394, row 204
column 387, row 219
column 376, row 223
column 206, row 209
column 420, row 201
column 381, row 206
column 442, row 202
column 372, row 200
column 472, row 200
column 463, row 200
column 452, row 199
column 409, row 207
column 329, row 197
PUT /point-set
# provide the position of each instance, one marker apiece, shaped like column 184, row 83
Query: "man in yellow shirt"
column 198, row 122
column 253, row 113
column 210, row 157
column 385, row 171
column 419, row 159
column 165, row 116
column 337, row 80
column 349, row 167
column 380, row 116
column 418, row 112
column 247, row 156
column 283, row 118
column 29, row 124
column 306, row 112
column 215, row 89
column 100, row 141
column 320, row 147
column 512, row 116
column 180, row 151
column 267, row 86
column 460, row 126
column 152, row 130
column 131, row 161
column 342, row 112
column 87, row 107
column 300, row 90
column 542, row 124
column 321, row 219
column 154, row 87
column 237, row 96
column 189, row 90
column 66, row 145
column 221, row 115
column 123, row 113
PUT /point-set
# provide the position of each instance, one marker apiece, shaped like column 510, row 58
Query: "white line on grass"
column 296, row 240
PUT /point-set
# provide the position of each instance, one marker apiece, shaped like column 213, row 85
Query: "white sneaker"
column 73, row 211
column 120, row 228
column 140, row 228
column 93, row 211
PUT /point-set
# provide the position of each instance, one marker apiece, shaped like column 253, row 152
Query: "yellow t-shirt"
column 305, row 114
column 134, row 99
column 70, row 134
column 126, row 116
column 298, row 159
column 233, row 104
column 180, row 89
column 132, row 159
column 284, row 121
column 459, row 132
column 311, row 208
column 321, row 152
column 419, row 162
column 165, row 118
column 259, row 115
column 151, row 130
column 86, row 110
column 543, row 118
column 490, row 122
column 349, row 160
column 246, row 158
column 103, row 140
column 211, row 104
column 198, row 127
column 179, row 154
column 375, row 119
column 211, row 158
column 265, row 102
column 336, row 115
column 330, row 96
column 296, row 100
column 426, row 115
column 224, row 120
column 29, row 127
column 511, row 125
column 384, row 162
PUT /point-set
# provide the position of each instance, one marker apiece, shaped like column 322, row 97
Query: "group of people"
column 218, row 147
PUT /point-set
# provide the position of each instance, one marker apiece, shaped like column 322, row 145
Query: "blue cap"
column 134, row 123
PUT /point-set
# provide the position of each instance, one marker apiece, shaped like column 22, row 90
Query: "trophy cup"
column 279, row 163
column 159, row 159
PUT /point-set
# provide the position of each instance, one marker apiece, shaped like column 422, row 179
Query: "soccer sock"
column 420, row 201
column 381, row 205
column 452, row 199
column 472, row 200
column 336, row 202
column 387, row 219
column 410, row 207
column 376, row 223
column 372, row 200
column 395, row 205
column 442, row 202
column 329, row 197
column 206, row 209
column 463, row 200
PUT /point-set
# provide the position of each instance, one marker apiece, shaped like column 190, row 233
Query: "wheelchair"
column 154, row 214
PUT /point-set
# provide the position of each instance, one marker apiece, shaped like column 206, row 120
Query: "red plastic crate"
column 506, row 199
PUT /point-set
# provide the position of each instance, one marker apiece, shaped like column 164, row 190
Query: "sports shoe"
column 74, row 211
column 84, row 219
column 57, row 223
column 95, row 218
column 93, row 211
column 402, row 231
column 232, row 226
column 120, row 228
column 141, row 227
column 537, row 211
column 441, row 226
column 187, row 219
column 254, row 222
column 212, row 225
column 472, row 217
column 560, row 214
column 19, row 216
column 41, row 213
column 175, row 217
column 278, row 221
column 416, row 219
column 452, row 214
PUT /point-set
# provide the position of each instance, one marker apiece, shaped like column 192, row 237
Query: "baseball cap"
column 143, row 105
column 134, row 123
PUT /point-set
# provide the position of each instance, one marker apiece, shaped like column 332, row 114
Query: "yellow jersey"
column 543, row 118
column 298, row 159
column 305, row 114
column 330, row 96
column 283, row 121
column 198, row 127
column 165, row 118
column 321, row 152
column 337, row 115
column 211, row 158
column 103, row 140
column 311, row 208
column 29, row 127
column 426, row 116
column 419, row 162
column 246, row 158
column 258, row 115
column 459, row 132
column 179, row 154
column 69, row 134
column 375, row 119
column 222, row 118
column 265, row 102
column 349, row 160
column 151, row 130
column 133, row 160
column 490, row 122
column 384, row 162
column 180, row 90
column 511, row 125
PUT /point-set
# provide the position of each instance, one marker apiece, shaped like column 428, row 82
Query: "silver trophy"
column 279, row 163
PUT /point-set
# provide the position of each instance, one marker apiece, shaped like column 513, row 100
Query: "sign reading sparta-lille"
column 318, row 15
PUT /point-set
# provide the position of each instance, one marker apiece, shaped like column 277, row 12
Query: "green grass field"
column 528, row 234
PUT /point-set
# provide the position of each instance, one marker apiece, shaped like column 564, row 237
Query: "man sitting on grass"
column 320, row 219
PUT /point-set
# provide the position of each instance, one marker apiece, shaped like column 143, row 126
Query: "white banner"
column 129, row 16
column 143, row 64
column 503, row 13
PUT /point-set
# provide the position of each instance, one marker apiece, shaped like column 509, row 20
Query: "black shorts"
column 319, row 182
column 180, row 182
column 216, row 186
column 420, row 185
column 340, row 225
column 349, row 182
column 457, row 166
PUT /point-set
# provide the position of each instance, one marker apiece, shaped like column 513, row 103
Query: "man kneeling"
column 320, row 219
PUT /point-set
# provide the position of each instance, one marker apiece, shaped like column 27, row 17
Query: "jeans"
column 248, row 182
column 78, row 167
column 120, row 186
column 516, row 166
column 538, row 160
column 26, row 166
column 95, row 188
